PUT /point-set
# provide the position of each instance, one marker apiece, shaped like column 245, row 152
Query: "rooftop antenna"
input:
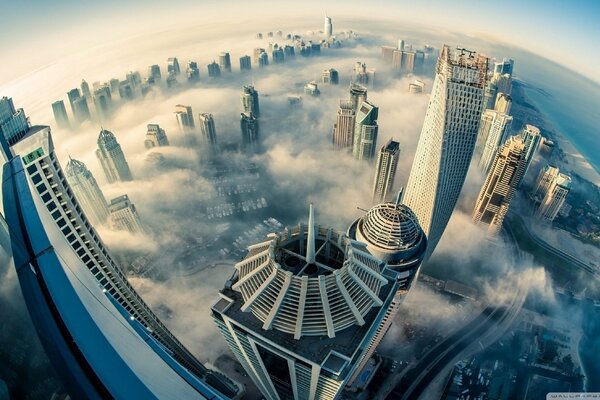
column 310, row 242
column 399, row 197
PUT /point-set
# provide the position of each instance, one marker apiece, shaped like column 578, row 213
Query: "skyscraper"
column 278, row 56
column 60, row 114
column 214, row 71
column 225, row 62
column 343, row 129
column 447, row 140
column 500, row 185
column 124, row 216
column 81, row 111
column 543, row 183
column 249, row 99
column 312, row 89
column 532, row 137
column 192, row 71
column 503, row 103
column 358, row 94
column 328, row 27
column 13, row 124
column 207, row 128
column 256, row 54
column 85, row 90
column 154, row 72
column 365, row 132
column 173, row 66
column 263, row 59
column 155, row 137
column 250, row 130
column 385, row 171
column 330, row 76
column 245, row 63
column 555, row 198
column 87, row 191
column 307, row 307
column 101, row 337
column 103, row 103
column 111, row 158
column 185, row 118
column 504, row 67
column 493, row 130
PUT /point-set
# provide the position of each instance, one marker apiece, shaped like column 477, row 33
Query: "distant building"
column 532, row 138
column 154, row 72
column 543, row 183
column 245, row 63
column 288, row 51
column 103, row 103
column 330, row 76
column 60, row 114
column 358, row 94
column 278, row 56
column 385, row 171
column 207, row 128
column 259, row 35
column 114, row 86
column 263, row 59
column 312, row 89
column 500, row 185
column 87, row 191
column 250, row 130
column 185, row 118
column 124, row 216
column 493, row 131
column 126, row 91
column 14, row 125
column 155, row 137
column 416, row 86
column 447, row 140
column 504, row 67
column 85, row 90
column 171, row 81
column 554, row 197
column 294, row 101
column 328, row 27
column 111, row 158
column 134, row 78
column 250, row 104
column 225, row 62
column 365, row 132
column 173, row 66
column 256, row 54
column 214, row 71
column 192, row 72
column 81, row 110
column 343, row 129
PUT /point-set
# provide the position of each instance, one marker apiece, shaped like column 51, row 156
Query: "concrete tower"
column 207, row 128
column 343, row 129
column 111, row 158
column 155, row 137
column 385, row 171
column 493, row 131
column 328, row 27
column 447, row 140
column 500, row 185
column 365, row 132
column 250, row 103
column 87, row 191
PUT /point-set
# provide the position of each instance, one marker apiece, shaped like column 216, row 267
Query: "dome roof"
column 342, row 286
column 391, row 226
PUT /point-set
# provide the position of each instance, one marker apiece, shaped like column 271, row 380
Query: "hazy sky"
column 34, row 33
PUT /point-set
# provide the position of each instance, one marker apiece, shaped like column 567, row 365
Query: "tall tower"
column 328, row 27
column 306, row 308
column 207, row 128
column 192, row 72
column 85, row 90
column 532, row 138
column 249, row 99
column 185, row 118
column 103, row 340
column 365, row 132
column 124, row 215
column 343, row 129
column 385, row 171
column 493, row 131
column 447, row 140
column 543, row 183
column 358, row 94
column 500, row 185
column 250, row 132
column 103, row 103
column 155, row 137
column 14, row 124
column 225, row 62
column 554, row 197
column 111, row 158
column 60, row 114
column 214, row 71
column 87, row 191
column 245, row 63
column 173, row 66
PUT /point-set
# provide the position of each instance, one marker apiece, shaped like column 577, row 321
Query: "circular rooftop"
column 286, row 291
column 391, row 227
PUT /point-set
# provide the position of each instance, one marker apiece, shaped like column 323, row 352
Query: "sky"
column 38, row 32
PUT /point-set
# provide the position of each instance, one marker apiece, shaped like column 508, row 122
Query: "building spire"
column 310, row 241
column 399, row 197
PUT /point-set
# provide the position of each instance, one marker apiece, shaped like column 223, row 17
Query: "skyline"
column 514, row 24
column 201, row 202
